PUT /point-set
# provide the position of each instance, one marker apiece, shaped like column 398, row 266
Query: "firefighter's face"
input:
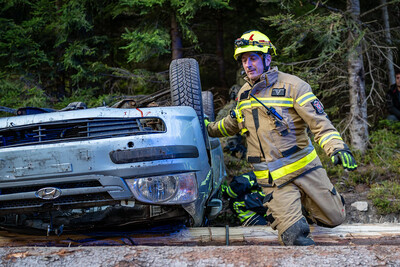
column 398, row 81
column 253, row 65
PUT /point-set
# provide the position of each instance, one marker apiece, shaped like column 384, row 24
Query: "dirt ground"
column 365, row 217
column 203, row 256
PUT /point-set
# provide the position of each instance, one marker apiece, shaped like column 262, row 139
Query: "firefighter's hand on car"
column 206, row 122
column 345, row 158
column 224, row 190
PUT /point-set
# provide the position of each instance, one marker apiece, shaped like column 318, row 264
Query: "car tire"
column 208, row 104
column 185, row 86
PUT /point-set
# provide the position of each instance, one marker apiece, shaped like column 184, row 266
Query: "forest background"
column 54, row 52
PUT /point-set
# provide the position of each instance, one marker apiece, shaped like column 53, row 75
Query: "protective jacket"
column 280, row 150
column 393, row 101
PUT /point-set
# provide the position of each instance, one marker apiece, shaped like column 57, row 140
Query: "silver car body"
column 92, row 168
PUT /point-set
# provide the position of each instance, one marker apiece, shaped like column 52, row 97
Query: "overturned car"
column 113, row 166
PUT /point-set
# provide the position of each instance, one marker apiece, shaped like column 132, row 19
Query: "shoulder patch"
column 278, row 92
column 244, row 95
column 319, row 108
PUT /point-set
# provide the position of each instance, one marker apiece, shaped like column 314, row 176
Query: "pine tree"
column 162, row 26
column 329, row 46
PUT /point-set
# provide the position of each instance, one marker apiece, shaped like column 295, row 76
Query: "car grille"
column 34, row 188
column 78, row 129
column 61, row 201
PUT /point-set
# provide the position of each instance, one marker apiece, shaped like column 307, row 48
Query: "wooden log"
column 387, row 234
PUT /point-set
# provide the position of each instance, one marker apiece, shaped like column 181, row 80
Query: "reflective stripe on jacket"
column 283, row 144
column 248, row 205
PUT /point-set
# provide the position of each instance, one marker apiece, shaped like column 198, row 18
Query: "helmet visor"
column 240, row 42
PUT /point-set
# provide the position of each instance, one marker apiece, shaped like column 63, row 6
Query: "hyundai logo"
column 48, row 193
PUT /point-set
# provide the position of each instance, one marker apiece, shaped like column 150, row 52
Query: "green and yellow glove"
column 206, row 122
column 345, row 158
column 224, row 189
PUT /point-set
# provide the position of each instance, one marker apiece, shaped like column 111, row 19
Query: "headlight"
column 166, row 189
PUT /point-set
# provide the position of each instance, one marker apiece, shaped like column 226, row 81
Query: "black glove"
column 345, row 158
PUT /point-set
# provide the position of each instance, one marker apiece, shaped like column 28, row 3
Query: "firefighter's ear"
column 267, row 59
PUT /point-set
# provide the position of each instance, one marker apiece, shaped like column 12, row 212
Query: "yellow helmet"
column 253, row 41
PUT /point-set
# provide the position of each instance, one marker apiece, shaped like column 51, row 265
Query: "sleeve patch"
column 319, row 108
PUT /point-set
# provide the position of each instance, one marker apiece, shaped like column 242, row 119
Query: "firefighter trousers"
column 312, row 194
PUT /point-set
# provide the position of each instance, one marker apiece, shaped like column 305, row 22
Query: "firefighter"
column 246, row 199
column 274, row 111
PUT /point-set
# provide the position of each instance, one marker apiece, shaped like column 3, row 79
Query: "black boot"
column 297, row 234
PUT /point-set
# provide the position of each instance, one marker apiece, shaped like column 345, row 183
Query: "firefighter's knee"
column 336, row 217
column 336, row 221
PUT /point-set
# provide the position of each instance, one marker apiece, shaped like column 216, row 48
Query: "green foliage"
column 284, row 4
column 150, row 37
column 235, row 166
column 81, row 47
column 72, row 21
column 139, row 81
column 385, row 147
column 80, row 59
column 143, row 45
column 52, row 43
column 35, row 97
column 322, row 34
column 311, row 46
column 318, row 43
column 10, row 93
column 391, row 126
column 15, row 94
column 17, row 45
column 144, row 6
column 188, row 8
column 380, row 162
column 89, row 97
column 386, row 197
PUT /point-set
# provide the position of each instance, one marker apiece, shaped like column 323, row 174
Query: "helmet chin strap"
column 266, row 68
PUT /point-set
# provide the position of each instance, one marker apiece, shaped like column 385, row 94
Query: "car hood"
column 101, row 112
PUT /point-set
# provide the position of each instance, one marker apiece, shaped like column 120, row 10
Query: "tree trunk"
column 220, row 50
column 358, row 103
column 176, row 39
column 388, row 38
